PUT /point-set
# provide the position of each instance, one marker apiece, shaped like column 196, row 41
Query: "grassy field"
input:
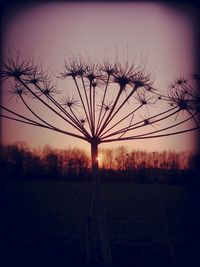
column 147, row 225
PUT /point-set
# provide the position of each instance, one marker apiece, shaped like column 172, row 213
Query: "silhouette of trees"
column 75, row 163
column 111, row 102
column 20, row 162
column 51, row 163
column 120, row 164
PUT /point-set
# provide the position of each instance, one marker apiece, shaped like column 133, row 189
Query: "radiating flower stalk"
column 133, row 83
column 107, row 104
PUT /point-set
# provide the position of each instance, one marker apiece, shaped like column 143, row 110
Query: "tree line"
column 18, row 161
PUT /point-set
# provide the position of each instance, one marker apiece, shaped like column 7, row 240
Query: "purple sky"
column 161, row 36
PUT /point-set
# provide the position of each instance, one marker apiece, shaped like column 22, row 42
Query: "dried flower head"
column 123, row 75
column 107, row 106
column 17, row 90
column 185, row 103
column 140, row 79
column 70, row 102
column 92, row 73
column 108, row 68
column 180, row 81
column 148, row 121
column 36, row 76
column 180, row 99
column 144, row 98
column 83, row 121
column 48, row 90
column 74, row 68
column 16, row 68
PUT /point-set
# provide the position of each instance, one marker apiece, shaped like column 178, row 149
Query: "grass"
column 43, row 218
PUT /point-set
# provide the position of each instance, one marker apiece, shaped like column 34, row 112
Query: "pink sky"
column 163, row 36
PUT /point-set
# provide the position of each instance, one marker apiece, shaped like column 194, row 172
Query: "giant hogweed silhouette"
column 109, row 102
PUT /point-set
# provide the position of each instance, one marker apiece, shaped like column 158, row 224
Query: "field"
column 148, row 225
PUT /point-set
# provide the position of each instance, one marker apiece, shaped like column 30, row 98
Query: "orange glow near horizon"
column 100, row 159
column 162, row 37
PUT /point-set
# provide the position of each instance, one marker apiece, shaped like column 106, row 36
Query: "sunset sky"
column 160, row 35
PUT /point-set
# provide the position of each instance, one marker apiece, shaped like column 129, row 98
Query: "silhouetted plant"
column 106, row 106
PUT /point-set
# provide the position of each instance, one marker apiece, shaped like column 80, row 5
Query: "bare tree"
column 111, row 102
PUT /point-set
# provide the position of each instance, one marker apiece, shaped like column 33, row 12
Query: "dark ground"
column 43, row 225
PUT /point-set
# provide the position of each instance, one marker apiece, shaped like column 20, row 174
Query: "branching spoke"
column 87, row 102
column 127, row 127
column 94, row 91
column 25, row 122
column 82, row 102
column 124, row 118
column 18, row 115
column 32, row 122
column 91, row 108
column 28, row 107
column 166, row 128
column 48, row 106
column 73, row 120
column 120, row 107
column 106, row 122
column 110, row 113
column 149, row 137
column 134, row 126
column 157, row 120
column 102, row 104
column 52, row 100
column 161, row 96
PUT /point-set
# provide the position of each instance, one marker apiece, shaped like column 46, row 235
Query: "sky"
column 161, row 36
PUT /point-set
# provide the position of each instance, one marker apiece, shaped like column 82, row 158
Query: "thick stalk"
column 97, row 207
